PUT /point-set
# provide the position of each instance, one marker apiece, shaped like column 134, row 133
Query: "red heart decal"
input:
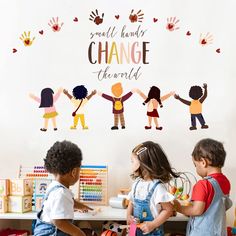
column 203, row 41
column 41, row 32
column 218, row 50
column 188, row 33
column 75, row 19
column 27, row 41
column 117, row 17
column 14, row 50
column 55, row 27
column 155, row 20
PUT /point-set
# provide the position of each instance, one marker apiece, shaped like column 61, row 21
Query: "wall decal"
column 153, row 100
column 94, row 16
column 206, row 40
column 172, row 24
column 55, row 25
column 79, row 99
column 75, row 19
column 14, row 50
column 218, row 50
column 195, row 106
column 47, row 101
column 136, row 17
column 25, row 38
column 117, row 104
column 41, row 32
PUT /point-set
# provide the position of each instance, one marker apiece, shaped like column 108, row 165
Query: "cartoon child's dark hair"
column 62, row 158
column 155, row 93
column 195, row 92
column 153, row 162
column 80, row 92
column 46, row 97
column 211, row 150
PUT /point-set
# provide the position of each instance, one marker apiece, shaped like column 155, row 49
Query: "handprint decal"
column 94, row 16
column 205, row 40
column 55, row 25
column 136, row 17
column 25, row 38
column 172, row 24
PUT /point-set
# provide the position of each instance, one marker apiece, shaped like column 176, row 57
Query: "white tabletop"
column 105, row 213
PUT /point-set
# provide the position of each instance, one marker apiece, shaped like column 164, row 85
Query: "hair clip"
column 142, row 149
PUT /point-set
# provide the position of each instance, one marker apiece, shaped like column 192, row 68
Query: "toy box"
column 21, row 187
column 4, row 187
column 19, row 204
column 3, row 204
column 40, row 186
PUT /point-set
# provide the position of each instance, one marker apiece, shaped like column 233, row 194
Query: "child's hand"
column 65, row 91
column 94, row 92
column 99, row 93
column 172, row 93
column 60, row 89
column 129, row 220
column 134, row 90
column 176, row 96
column 205, row 86
column 147, row 227
column 177, row 205
column 81, row 207
column 31, row 95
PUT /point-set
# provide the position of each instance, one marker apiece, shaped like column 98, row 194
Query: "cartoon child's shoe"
column 159, row 128
column 55, row 129
column 193, row 128
column 148, row 127
column 43, row 129
column 85, row 127
column 123, row 127
column 114, row 127
column 204, row 127
column 73, row 127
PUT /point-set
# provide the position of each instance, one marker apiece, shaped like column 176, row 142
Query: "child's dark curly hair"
column 195, row 92
column 62, row 158
column 80, row 92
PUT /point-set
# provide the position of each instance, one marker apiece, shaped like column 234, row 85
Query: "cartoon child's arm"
column 57, row 95
column 91, row 94
column 141, row 94
column 163, row 98
column 107, row 97
column 127, row 96
column 205, row 93
column 67, row 93
column 34, row 97
column 182, row 100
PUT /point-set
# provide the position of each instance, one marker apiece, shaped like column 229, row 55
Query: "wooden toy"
column 93, row 184
column 4, row 187
column 40, row 186
column 21, row 187
column 19, row 204
column 3, row 204
column 37, row 201
column 34, row 172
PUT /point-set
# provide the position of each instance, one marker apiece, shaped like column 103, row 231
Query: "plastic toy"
column 108, row 233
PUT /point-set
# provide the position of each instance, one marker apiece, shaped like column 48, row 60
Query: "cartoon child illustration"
column 47, row 102
column 79, row 99
column 117, row 104
column 153, row 100
column 195, row 106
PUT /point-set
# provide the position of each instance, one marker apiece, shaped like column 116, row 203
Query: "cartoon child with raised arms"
column 195, row 106
column 47, row 101
column 117, row 104
column 153, row 100
column 79, row 99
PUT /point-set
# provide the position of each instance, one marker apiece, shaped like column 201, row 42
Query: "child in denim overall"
column 210, row 196
column 63, row 160
column 150, row 202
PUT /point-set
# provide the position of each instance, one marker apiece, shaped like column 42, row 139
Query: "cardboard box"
column 19, row 204
column 21, row 187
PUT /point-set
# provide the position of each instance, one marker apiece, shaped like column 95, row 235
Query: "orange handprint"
column 96, row 18
column 55, row 25
column 172, row 24
column 26, row 39
column 205, row 40
column 136, row 17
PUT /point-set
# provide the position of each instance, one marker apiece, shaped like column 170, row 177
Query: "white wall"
column 60, row 59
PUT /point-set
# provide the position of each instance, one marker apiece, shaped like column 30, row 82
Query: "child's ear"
column 204, row 162
column 73, row 172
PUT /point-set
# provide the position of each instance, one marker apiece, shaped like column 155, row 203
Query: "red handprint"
column 96, row 18
column 205, row 40
column 136, row 17
column 172, row 24
column 54, row 24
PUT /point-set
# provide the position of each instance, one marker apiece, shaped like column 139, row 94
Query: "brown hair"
column 211, row 150
column 153, row 162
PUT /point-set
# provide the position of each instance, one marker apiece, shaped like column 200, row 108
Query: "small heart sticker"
column 14, row 50
column 188, row 33
column 155, row 20
column 117, row 16
column 218, row 50
column 75, row 19
column 41, row 32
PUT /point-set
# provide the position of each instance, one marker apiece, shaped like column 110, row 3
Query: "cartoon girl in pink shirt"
column 47, row 102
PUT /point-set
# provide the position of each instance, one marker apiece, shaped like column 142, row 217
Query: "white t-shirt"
column 160, row 194
column 59, row 205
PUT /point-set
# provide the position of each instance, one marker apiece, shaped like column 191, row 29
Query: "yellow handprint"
column 26, row 39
